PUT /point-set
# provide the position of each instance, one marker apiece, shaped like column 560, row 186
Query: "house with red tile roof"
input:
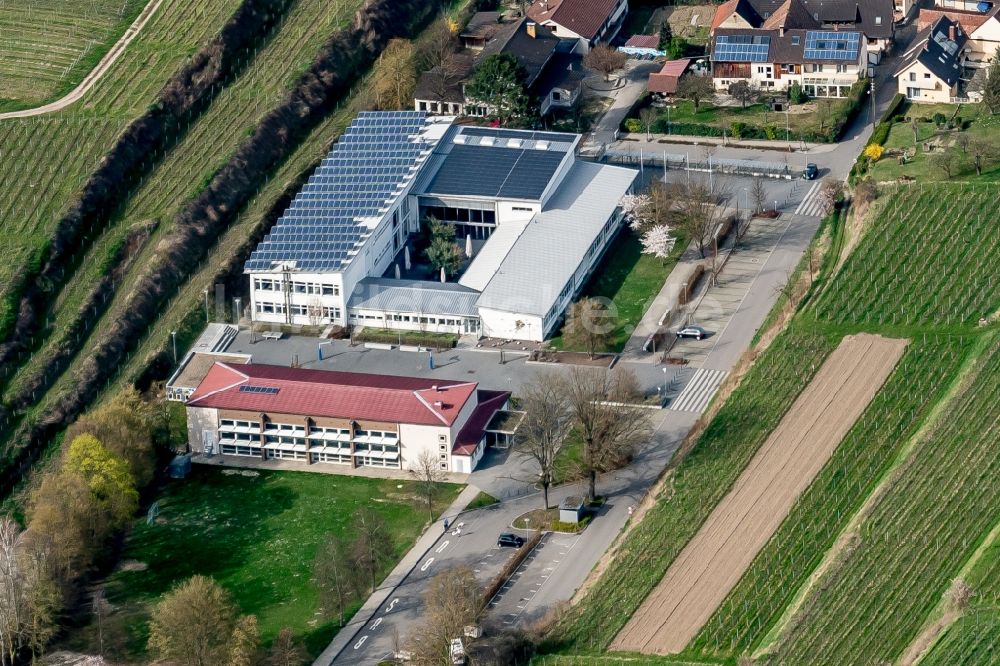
column 343, row 418
column 590, row 22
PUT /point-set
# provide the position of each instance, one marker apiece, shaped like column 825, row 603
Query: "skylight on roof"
column 270, row 390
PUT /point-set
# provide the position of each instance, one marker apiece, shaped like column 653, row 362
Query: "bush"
column 796, row 95
column 939, row 118
column 633, row 125
column 771, row 132
column 738, row 129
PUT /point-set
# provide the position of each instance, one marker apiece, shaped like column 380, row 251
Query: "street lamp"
column 205, row 291
column 664, row 382
column 173, row 335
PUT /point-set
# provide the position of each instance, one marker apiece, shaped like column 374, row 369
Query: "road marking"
column 442, row 547
column 361, row 642
column 376, row 623
column 427, row 564
column 392, row 604
column 699, row 391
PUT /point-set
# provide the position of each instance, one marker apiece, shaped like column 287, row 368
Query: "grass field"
column 47, row 47
column 629, row 280
column 922, row 165
column 257, row 536
column 36, row 184
column 208, row 144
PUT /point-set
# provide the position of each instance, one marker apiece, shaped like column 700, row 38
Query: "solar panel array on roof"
column 358, row 179
column 741, row 48
column 832, row 45
column 486, row 171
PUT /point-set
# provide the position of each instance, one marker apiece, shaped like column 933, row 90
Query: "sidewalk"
column 395, row 577
column 759, row 144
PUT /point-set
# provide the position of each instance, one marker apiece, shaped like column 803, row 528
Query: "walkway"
column 94, row 76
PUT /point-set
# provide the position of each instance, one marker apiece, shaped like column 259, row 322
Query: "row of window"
column 444, row 321
column 339, row 459
column 449, row 214
column 319, row 311
column 266, row 284
column 280, row 432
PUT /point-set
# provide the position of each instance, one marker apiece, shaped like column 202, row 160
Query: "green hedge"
column 416, row 338
column 879, row 136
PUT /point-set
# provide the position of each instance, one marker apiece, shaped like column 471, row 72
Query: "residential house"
column 588, row 22
column 872, row 18
column 826, row 63
column 982, row 27
column 550, row 72
column 931, row 70
column 356, row 420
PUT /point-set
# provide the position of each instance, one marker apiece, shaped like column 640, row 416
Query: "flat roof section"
column 414, row 296
column 487, row 171
column 555, row 242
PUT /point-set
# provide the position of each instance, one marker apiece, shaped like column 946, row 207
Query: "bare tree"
column 946, row 161
column 610, row 422
column 758, row 193
column 604, row 60
column 695, row 89
column 589, row 325
column 438, row 46
column 245, row 642
column 981, row 150
column 395, row 77
column 371, row 549
column 648, row 116
column 427, row 472
column 699, row 211
column 547, row 420
column 286, row 651
column 180, row 630
column 744, row 92
column 334, row 577
column 453, row 601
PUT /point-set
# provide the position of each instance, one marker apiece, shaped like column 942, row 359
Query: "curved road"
column 103, row 66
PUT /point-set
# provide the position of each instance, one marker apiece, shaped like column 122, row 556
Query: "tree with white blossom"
column 636, row 208
column 659, row 241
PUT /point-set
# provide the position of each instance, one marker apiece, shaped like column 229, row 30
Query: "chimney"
column 434, row 388
column 439, row 404
column 531, row 29
column 951, row 32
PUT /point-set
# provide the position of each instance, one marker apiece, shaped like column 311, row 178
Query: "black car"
column 811, row 172
column 509, row 540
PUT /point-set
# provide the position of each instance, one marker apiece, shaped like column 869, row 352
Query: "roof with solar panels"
column 356, row 183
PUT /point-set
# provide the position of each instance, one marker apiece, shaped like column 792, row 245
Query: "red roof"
column 665, row 81
column 644, row 42
column 722, row 12
column 470, row 434
column 348, row 395
column 968, row 20
column 584, row 17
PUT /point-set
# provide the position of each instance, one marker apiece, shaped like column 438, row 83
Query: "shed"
column 665, row 81
column 571, row 509
column 180, row 466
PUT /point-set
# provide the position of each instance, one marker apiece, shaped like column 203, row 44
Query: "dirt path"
column 715, row 559
column 103, row 66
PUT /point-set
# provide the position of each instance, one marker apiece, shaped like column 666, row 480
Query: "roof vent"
column 434, row 388
column 439, row 404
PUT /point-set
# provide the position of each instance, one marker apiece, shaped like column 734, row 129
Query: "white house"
column 341, row 418
column 931, row 70
column 536, row 218
column 589, row 22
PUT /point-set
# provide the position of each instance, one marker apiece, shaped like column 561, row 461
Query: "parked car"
column 810, row 172
column 510, row 540
column 696, row 332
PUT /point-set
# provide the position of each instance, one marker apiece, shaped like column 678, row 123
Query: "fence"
column 683, row 162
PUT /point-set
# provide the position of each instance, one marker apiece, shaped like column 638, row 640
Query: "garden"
column 816, row 120
column 256, row 533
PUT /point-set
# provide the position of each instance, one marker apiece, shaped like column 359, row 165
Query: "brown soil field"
column 714, row 560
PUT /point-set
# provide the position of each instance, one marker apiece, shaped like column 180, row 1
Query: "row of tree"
column 603, row 405
column 86, row 496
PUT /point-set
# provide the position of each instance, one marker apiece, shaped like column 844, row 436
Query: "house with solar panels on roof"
column 776, row 44
column 535, row 219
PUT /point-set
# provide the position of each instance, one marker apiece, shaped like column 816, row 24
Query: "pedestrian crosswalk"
column 699, row 391
column 812, row 202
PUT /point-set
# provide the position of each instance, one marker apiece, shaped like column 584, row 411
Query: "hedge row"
column 184, row 96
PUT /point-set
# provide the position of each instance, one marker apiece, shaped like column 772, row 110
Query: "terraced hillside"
column 48, row 158
column 48, row 46
column 862, row 568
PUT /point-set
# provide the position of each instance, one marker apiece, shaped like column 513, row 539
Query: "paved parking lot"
column 513, row 604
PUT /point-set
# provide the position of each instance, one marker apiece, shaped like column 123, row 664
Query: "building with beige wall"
column 340, row 418
column 931, row 70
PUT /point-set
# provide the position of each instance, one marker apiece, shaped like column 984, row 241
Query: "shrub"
column 796, row 95
column 738, row 129
column 633, row 125
column 939, row 118
column 874, row 152
column 771, row 132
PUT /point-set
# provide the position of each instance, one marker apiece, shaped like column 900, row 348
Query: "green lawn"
column 257, row 536
column 922, row 165
column 630, row 280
